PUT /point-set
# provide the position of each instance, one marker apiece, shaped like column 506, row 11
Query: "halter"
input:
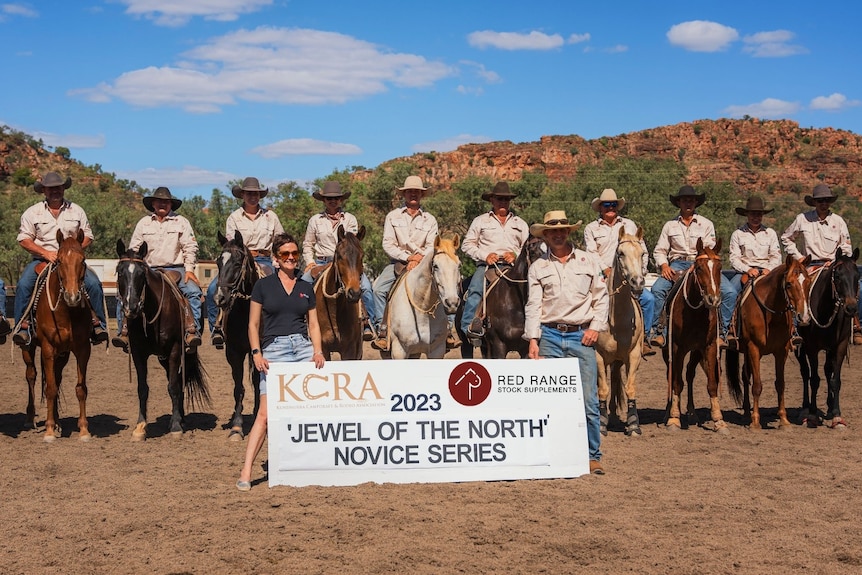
column 839, row 302
column 697, row 281
column 625, row 280
column 236, row 288
column 434, row 290
column 163, row 279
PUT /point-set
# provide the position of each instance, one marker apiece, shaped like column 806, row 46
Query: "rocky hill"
column 773, row 157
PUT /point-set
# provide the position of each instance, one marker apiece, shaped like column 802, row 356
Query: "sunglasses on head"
column 288, row 254
column 563, row 222
column 609, row 204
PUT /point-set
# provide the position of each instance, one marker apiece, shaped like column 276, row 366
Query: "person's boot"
column 646, row 348
column 5, row 328
column 477, row 327
column 382, row 341
column 657, row 339
column 22, row 336
column 367, row 331
column 121, row 340
column 452, row 339
column 217, row 337
column 98, row 334
column 795, row 339
column 192, row 341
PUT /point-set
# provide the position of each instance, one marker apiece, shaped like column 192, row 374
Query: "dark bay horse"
column 237, row 274
column 337, row 293
column 63, row 324
column 153, row 307
column 765, row 313
column 504, row 302
column 693, row 324
column 833, row 300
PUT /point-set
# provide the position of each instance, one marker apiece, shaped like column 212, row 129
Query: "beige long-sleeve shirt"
column 40, row 225
column 405, row 235
column 488, row 235
column 750, row 249
column 822, row 238
column 321, row 235
column 169, row 243
column 257, row 233
column 602, row 239
column 678, row 241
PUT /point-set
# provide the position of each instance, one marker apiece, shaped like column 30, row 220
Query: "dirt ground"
column 686, row 502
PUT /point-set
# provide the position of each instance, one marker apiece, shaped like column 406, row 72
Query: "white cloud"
column 185, row 177
column 16, row 10
column 71, row 140
column 833, row 102
column 449, row 144
column 514, row 40
column 578, row 38
column 768, row 108
column 305, row 146
column 774, row 44
column 488, row 76
column 470, row 90
column 702, row 36
column 271, row 65
column 175, row 13
column 618, row 49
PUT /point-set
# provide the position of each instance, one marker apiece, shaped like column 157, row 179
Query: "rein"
column 699, row 285
column 337, row 281
column 236, row 288
column 434, row 291
column 144, row 292
column 839, row 303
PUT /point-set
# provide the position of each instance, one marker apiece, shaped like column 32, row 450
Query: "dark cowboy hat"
column 820, row 191
column 754, row 204
column 687, row 191
column 161, row 193
column 51, row 180
column 501, row 190
column 248, row 185
column 331, row 189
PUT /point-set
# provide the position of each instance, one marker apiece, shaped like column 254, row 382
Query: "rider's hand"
column 667, row 273
column 192, row 278
column 491, row 259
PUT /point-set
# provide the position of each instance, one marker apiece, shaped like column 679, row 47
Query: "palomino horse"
column 237, row 275
column 504, row 303
column 692, row 311
column 765, row 314
column 153, row 307
column 833, row 303
column 337, row 293
column 63, row 324
column 622, row 343
column 416, row 317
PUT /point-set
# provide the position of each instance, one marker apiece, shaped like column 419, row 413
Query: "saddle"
column 677, row 284
column 315, row 271
column 42, row 269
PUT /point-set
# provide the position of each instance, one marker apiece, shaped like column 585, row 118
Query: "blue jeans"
column 382, row 285
column 364, row 288
column 558, row 344
column 286, row 348
column 212, row 310
column 190, row 290
column 27, row 283
column 661, row 288
column 3, row 299
column 475, row 291
column 647, row 302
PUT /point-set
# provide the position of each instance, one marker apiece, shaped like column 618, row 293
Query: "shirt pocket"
column 550, row 282
column 70, row 227
column 830, row 236
column 677, row 241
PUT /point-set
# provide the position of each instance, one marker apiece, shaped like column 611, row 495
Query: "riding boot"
column 98, row 334
column 367, row 330
column 477, row 326
column 217, row 337
column 192, row 338
column 121, row 340
column 22, row 337
column 657, row 337
column 5, row 328
column 382, row 341
column 452, row 339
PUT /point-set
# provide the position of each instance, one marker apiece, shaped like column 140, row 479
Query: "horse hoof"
column 722, row 429
column 604, row 431
column 49, row 439
column 235, row 435
column 176, row 434
column 85, row 437
column 810, row 423
column 673, row 425
column 633, row 432
column 139, row 436
column 838, row 423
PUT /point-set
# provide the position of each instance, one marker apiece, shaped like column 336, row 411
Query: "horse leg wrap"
column 633, row 426
column 603, row 416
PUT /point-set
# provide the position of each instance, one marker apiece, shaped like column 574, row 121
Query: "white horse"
column 621, row 344
column 420, row 301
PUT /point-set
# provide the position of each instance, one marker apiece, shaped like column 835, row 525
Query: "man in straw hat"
column 567, row 307
column 602, row 236
column 408, row 233
column 494, row 239
column 38, row 235
column 675, row 252
column 321, row 236
column 823, row 232
column 257, row 226
column 171, row 246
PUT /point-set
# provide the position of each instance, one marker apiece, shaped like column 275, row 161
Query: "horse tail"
column 734, row 385
column 196, row 383
column 617, row 392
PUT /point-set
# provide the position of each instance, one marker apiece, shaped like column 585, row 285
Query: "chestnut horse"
column 62, row 326
column 237, row 274
column 621, row 344
column 337, row 293
column 153, row 307
column 765, row 315
column 693, row 325
column 833, row 300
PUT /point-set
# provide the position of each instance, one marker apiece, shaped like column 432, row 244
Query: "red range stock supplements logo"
column 469, row 383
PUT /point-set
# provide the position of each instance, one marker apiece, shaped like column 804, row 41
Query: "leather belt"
column 684, row 259
column 567, row 327
column 261, row 253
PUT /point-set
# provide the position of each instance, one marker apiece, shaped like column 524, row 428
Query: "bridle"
column 691, row 271
column 241, row 286
column 164, row 280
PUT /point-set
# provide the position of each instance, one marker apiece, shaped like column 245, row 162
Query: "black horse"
column 833, row 301
column 153, row 307
column 237, row 275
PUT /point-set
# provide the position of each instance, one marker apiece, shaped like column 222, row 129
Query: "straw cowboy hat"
column 687, row 191
column 820, row 192
column 414, row 183
column 161, row 193
column 501, row 190
column 51, row 180
column 608, row 195
column 754, row 204
column 248, row 185
column 554, row 220
column 331, row 189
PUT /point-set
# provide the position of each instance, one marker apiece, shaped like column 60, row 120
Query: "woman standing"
column 290, row 332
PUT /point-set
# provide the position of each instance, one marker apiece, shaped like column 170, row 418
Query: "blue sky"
column 194, row 93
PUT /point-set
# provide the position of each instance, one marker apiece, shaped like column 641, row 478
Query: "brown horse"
column 765, row 313
column 693, row 322
column 63, row 324
column 337, row 293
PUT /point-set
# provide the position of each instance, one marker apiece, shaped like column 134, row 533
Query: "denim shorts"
column 286, row 348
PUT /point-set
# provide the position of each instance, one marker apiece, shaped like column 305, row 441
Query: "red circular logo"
column 469, row 383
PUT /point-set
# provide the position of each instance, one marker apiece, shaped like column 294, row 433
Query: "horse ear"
column 806, row 261
column 699, row 244
column 855, row 255
column 121, row 248
column 717, row 247
column 456, row 240
column 237, row 237
column 60, row 236
column 340, row 232
column 640, row 233
column 361, row 233
column 142, row 252
column 80, row 236
column 622, row 233
column 222, row 240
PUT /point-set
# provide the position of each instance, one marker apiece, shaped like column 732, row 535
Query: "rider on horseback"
column 38, row 235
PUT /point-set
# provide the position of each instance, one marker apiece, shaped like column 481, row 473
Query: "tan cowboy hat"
column 608, row 195
column 687, row 191
column 554, row 220
column 331, row 189
column 413, row 183
column 51, row 180
column 248, row 185
column 754, row 204
column 820, row 191
column 161, row 193
column 501, row 190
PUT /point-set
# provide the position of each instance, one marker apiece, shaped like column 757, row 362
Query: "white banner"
column 425, row 421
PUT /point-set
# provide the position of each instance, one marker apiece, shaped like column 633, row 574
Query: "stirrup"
column 121, row 341
column 22, row 337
